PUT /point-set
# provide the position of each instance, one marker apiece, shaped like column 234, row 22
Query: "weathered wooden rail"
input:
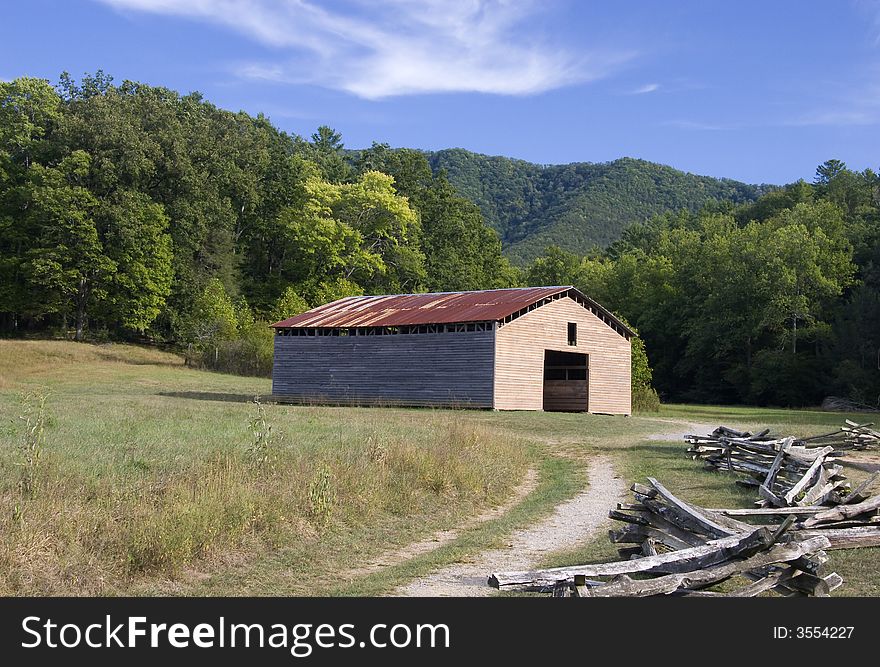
column 787, row 471
column 681, row 549
column 672, row 547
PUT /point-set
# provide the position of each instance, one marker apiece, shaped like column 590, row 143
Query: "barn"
column 535, row 348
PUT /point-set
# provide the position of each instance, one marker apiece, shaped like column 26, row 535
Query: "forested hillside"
column 577, row 206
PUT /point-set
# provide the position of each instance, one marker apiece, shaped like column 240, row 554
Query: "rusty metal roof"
column 434, row 308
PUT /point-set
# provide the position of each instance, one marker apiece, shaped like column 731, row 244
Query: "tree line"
column 773, row 302
column 132, row 211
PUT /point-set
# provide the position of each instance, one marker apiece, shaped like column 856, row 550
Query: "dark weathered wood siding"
column 566, row 395
column 445, row 369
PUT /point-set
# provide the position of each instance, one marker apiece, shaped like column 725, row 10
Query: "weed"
column 31, row 448
column 322, row 496
column 377, row 452
column 264, row 451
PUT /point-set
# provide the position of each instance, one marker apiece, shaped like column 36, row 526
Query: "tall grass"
column 155, row 478
column 80, row 533
column 31, row 447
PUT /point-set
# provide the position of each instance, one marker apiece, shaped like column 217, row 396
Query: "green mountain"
column 576, row 206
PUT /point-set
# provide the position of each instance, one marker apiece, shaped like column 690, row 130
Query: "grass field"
column 148, row 477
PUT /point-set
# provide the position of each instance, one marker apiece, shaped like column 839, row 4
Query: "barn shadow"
column 210, row 396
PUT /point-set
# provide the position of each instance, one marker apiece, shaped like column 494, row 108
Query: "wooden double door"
column 566, row 381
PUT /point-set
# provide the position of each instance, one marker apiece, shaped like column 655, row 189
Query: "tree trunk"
column 81, row 298
column 749, row 354
column 80, row 321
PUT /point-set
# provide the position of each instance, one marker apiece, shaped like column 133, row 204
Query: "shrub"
column 645, row 399
column 223, row 335
column 290, row 303
column 249, row 354
column 779, row 377
column 642, row 374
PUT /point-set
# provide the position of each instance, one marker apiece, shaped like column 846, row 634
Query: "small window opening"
column 572, row 333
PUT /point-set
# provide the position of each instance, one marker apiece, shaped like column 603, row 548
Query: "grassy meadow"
column 142, row 476
column 150, row 477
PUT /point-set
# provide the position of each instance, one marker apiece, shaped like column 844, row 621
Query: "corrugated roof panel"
column 414, row 309
column 434, row 308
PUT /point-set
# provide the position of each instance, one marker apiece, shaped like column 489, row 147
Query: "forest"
column 132, row 212
column 776, row 302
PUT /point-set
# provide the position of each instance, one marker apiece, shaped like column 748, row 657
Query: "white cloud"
column 647, row 88
column 382, row 48
column 851, row 104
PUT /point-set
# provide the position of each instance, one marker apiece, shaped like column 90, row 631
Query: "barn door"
column 566, row 381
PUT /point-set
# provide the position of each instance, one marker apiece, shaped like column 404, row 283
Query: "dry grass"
column 135, row 487
column 50, row 359
column 80, row 535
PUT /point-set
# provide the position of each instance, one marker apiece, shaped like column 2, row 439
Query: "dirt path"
column 441, row 537
column 573, row 522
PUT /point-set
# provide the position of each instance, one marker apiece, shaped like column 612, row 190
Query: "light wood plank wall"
column 519, row 358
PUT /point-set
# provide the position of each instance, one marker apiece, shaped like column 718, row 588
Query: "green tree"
column 136, row 241
column 331, row 290
column 812, row 263
column 30, row 110
column 217, row 175
column 461, row 253
column 67, row 267
column 828, row 171
column 554, row 267
column 390, row 258
column 409, row 168
column 213, row 318
column 289, row 304
column 327, row 152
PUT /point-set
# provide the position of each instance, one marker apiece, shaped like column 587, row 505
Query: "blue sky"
column 761, row 91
